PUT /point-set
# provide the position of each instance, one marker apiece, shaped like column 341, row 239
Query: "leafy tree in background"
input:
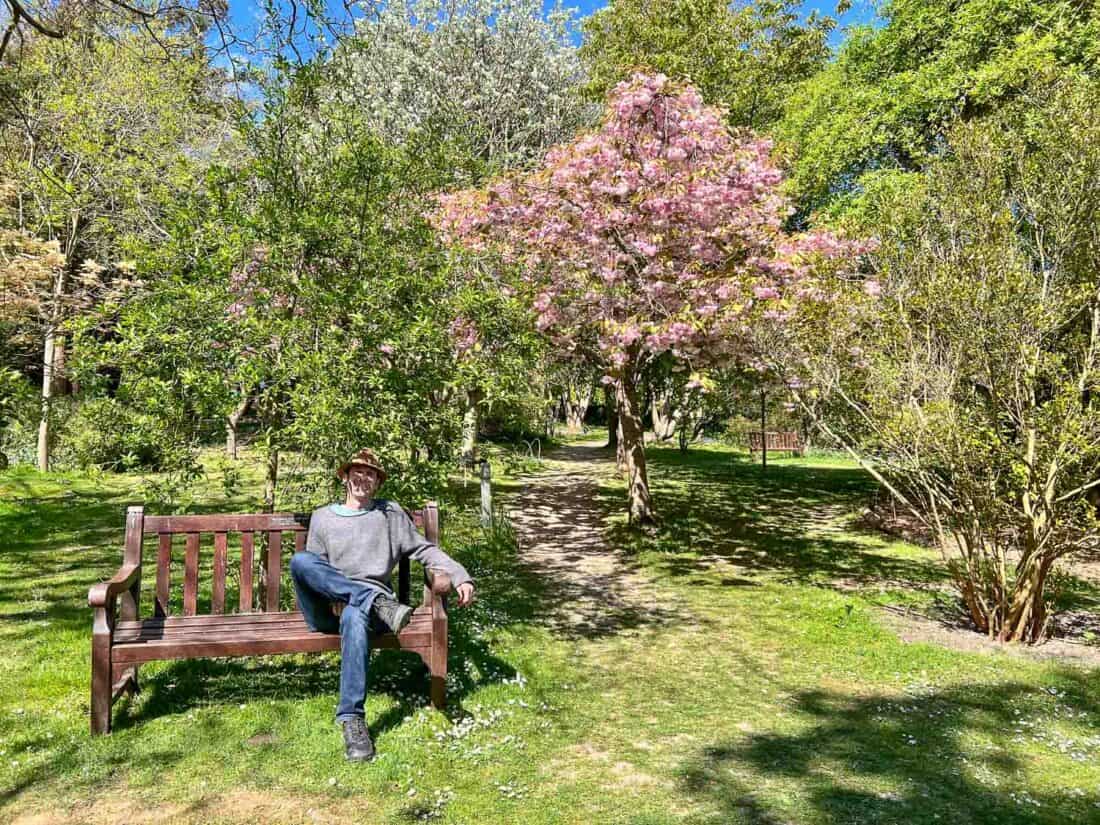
column 36, row 20
column 686, row 402
column 660, row 232
column 97, row 139
column 746, row 57
column 28, row 271
column 302, row 279
column 968, row 387
column 493, row 81
column 496, row 350
column 883, row 107
column 488, row 85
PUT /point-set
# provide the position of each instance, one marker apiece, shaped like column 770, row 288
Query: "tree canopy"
column 746, row 57
column 884, row 106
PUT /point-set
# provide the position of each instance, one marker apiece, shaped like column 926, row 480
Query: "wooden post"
column 486, row 495
column 102, row 623
column 131, row 554
column 763, row 430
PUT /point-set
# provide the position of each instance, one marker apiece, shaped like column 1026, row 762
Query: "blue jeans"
column 319, row 584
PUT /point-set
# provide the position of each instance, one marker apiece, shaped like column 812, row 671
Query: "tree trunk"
column 620, row 454
column 470, row 426
column 664, row 421
column 683, row 440
column 61, row 383
column 271, row 478
column 1027, row 615
column 231, row 423
column 47, row 403
column 633, row 448
column 52, row 346
column 612, row 414
column 576, row 405
column 550, row 410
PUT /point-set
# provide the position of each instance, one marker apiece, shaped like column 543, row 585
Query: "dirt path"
column 595, row 588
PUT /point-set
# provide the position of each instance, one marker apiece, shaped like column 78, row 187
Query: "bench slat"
column 288, row 625
column 247, row 562
column 276, row 630
column 785, row 441
column 228, row 619
column 227, row 522
column 164, row 565
column 217, row 596
column 274, row 569
column 311, row 643
column 191, row 575
column 168, row 649
column 129, row 601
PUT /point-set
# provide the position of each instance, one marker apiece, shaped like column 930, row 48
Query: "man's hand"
column 465, row 593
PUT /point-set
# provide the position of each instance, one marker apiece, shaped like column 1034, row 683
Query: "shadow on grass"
column 939, row 756
column 68, row 761
column 789, row 520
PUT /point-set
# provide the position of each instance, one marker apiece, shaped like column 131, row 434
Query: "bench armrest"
column 438, row 581
column 100, row 595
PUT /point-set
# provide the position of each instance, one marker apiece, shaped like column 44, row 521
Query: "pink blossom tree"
column 661, row 232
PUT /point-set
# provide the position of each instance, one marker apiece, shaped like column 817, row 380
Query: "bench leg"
column 127, row 677
column 439, row 690
column 439, row 670
column 101, row 684
column 438, row 677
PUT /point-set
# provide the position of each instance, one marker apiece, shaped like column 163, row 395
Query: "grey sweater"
column 368, row 545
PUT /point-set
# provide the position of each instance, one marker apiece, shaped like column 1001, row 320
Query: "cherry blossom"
column 660, row 232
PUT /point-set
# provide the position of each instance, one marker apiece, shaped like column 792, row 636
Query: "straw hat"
column 363, row 458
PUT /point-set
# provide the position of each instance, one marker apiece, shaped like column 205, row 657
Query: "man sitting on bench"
column 350, row 553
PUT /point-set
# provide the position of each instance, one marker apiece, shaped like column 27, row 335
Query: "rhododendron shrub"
column 661, row 232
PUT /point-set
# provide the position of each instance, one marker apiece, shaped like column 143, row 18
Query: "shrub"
column 106, row 433
column 18, row 413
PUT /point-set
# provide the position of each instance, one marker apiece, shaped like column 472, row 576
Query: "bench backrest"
column 257, row 541
column 776, row 441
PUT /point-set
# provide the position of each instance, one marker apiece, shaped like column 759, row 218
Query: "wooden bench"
column 778, row 442
column 122, row 639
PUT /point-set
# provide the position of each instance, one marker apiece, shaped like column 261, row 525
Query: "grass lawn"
column 774, row 695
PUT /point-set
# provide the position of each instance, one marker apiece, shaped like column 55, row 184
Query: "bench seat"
column 244, row 634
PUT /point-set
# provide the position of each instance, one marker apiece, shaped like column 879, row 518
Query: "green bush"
column 736, row 432
column 105, row 433
column 18, row 417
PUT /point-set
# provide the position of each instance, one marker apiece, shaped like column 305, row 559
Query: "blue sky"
column 243, row 14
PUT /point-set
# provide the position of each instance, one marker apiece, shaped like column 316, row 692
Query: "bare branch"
column 18, row 12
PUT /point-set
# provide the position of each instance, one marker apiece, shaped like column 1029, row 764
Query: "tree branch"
column 18, row 11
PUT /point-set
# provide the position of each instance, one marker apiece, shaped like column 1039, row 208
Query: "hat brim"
column 342, row 470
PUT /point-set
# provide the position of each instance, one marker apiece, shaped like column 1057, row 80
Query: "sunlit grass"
column 776, row 696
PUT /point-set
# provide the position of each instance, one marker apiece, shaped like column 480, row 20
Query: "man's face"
column 361, row 482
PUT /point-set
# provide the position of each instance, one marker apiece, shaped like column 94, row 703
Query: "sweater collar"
column 342, row 510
